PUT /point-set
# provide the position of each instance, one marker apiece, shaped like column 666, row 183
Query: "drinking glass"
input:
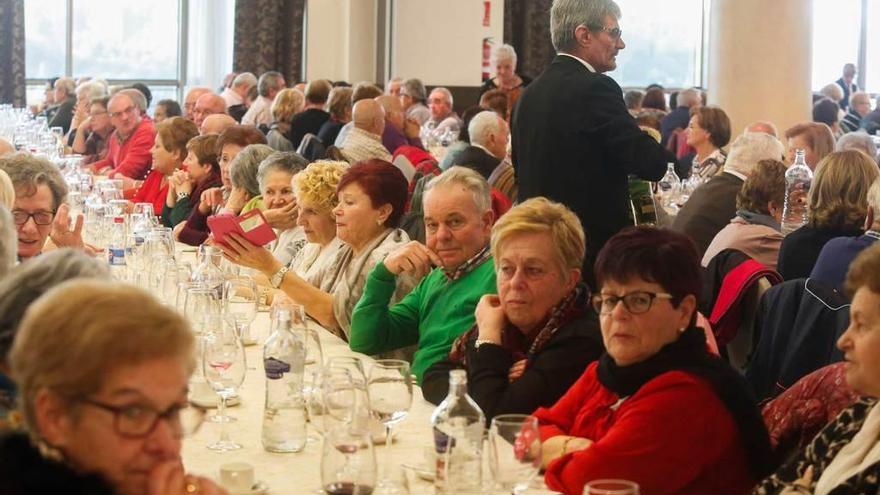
column 611, row 487
column 225, row 367
column 348, row 462
column 390, row 390
column 314, row 350
column 201, row 308
column 240, row 299
column 355, row 368
column 339, row 397
column 514, row 451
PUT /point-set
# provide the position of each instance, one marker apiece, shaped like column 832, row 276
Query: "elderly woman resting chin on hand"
column 657, row 408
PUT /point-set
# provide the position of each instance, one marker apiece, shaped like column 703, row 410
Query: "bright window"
column 836, row 27
column 872, row 71
column 663, row 45
column 44, row 38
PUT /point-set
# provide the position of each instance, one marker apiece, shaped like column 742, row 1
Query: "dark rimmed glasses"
column 636, row 303
column 138, row 421
column 21, row 217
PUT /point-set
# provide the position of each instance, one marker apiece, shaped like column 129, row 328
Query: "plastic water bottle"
column 116, row 248
column 284, row 417
column 798, row 179
column 458, row 440
column 669, row 188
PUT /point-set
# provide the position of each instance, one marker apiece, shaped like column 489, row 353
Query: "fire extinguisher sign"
column 487, row 12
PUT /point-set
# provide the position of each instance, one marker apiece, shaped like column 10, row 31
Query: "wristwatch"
column 278, row 277
column 479, row 342
column 182, row 195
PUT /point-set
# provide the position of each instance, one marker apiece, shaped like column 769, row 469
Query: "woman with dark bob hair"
column 708, row 132
column 657, row 408
column 372, row 195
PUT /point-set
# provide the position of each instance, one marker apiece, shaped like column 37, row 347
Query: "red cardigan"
column 673, row 436
column 130, row 158
column 153, row 190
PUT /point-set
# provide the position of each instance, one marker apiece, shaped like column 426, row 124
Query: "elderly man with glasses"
column 129, row 152
column 39, row 210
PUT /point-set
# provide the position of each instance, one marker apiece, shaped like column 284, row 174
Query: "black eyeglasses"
column 139, row 421
column 636, row 303
column 21, row 217
column 614, row 32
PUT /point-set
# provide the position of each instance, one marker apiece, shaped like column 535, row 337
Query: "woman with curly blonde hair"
column 838, row 203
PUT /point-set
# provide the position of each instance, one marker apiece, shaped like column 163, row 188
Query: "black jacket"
column 64, row 114
column 306, row 122
column 575, row 142
column 801, row 248
column 552, row 372
column 799, row 322
column 477, row 159
column 23, row 471
column 708, row 210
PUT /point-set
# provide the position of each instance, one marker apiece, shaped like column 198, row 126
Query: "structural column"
column 760, row 61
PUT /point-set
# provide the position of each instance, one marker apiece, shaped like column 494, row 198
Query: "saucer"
column 259, row 488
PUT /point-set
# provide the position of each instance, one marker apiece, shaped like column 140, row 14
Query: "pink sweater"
column 759, row 242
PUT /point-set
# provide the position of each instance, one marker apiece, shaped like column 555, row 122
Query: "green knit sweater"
column 433, row 315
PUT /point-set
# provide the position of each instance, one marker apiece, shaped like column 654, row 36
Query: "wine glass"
column 339, row 397
column 224, row 367
column 240, row 299
column 514, row 451
column 201, row 308
column 611, row 487
column 348, row 462
column 390, row 390
column 355, row 368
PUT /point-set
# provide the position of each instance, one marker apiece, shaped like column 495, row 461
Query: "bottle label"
column 275, row 368
column 116, row 256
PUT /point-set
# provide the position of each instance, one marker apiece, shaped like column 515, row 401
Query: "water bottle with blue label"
column 116, row 248
column 284, row 417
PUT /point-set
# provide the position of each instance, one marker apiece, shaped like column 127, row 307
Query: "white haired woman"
column 506, row 77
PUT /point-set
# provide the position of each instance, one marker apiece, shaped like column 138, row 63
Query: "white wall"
column 341, row 40
column 440, row 41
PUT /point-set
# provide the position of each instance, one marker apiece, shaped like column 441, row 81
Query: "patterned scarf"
column 468, row 266
column 572, row 306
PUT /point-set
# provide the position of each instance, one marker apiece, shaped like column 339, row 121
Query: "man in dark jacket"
column 573, row 139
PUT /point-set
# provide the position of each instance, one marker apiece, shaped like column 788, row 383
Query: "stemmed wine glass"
column 240, row 300
column 390, row 390
column 225, row 367
column 348, row 462
column 514, row 451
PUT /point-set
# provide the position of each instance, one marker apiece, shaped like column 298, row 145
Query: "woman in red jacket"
column 657, row 408
column 169, row 151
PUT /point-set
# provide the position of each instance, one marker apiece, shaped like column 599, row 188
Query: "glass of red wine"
column 348, row 461
column 225, row 367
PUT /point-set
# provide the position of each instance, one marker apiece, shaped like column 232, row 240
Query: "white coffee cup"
column 237, row 477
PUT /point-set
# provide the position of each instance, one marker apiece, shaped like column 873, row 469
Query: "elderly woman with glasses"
column 657, row 408
column 533, row 339
column 102, row 414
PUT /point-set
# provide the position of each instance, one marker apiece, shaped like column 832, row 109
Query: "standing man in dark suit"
column 573, row 139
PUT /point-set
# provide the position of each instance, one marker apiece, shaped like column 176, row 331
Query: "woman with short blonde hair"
column 102, row 391
column 838, row 204
column 288, row 102
column 536, row 337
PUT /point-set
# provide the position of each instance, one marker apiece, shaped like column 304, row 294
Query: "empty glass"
column 611, row 487
column 202, row 308
column 240, row 299
column 514, row 451
column 348, row 462
column 390, row 390
column 225, row 367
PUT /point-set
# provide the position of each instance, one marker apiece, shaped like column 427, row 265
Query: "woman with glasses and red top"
column 657, row 408
column 102, row 414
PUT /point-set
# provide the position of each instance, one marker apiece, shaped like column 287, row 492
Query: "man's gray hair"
column 27, row 172
column 245, row 79
column 136, row 97
column 633, row 98
column 483, row 124
column 567, row 15
column 467, row 178
column 244, row 167
column 859, row 140
column 90, row 90
column 690, row 97
column 68, row 84
column 392, row 80
column 504, row 52
column 446, row 93
column 280, row 161
column 415, row 89
column 269, row 81
column 8, row 241
column 749, row 149
column 29, row 280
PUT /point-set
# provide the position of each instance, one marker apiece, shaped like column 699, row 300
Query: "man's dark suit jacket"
column 477, row 159
column 575, row 142
column 709, row 209
column 64, row 114
column 306, row 122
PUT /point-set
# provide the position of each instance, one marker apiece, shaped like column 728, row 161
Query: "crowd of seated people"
column 617, row 370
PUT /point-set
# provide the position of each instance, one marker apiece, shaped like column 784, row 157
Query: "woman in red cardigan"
column 657, row 408
column 169, row 151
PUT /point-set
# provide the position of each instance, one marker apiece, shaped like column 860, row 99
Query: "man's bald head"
column 216, row 124
column 208, row 104
column 369, row 116
column 762, row 126
column 189, row 103
column 393, row 110
column 6, row 147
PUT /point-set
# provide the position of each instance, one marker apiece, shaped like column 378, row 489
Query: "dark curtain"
column 12, row 78
column 269, row 36
column 527, row 29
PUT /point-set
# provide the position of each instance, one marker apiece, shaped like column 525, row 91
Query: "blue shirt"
column 836, row 256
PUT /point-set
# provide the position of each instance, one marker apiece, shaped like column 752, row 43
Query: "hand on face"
column 211, row 198
column 413, row 258
column 283, row 218
column 491, row 319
